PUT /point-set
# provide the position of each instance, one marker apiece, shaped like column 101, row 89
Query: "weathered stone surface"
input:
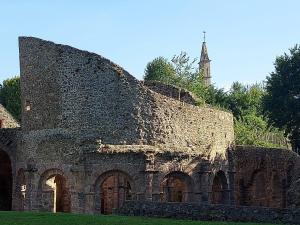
column 172, row 92
column 210, row 212
column 7, row 120
column 85, row 120
column 263, row 176
column 94, row 98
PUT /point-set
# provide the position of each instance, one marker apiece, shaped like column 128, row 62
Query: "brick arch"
column 112, row 188
column 53, row 192
column 177, row 186
column 253, row 193
column 6, row 181
column 219, row 188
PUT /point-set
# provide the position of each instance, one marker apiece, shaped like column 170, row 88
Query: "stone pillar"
column 156, row 195
column 231, row 176
column 148, row 186
column 149, row 175
column 204, row 174
column 78, row 189
column 31, row 203
column 231, row 191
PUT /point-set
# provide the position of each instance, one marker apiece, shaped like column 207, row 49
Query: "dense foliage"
column 251, row 126
column 282, row 99
column 160, row 70
column 10, row 96
column 245, row 102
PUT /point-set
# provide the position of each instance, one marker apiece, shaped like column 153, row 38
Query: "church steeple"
column 204, row 64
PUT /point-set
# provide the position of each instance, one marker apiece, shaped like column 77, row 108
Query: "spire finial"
column 204, row 32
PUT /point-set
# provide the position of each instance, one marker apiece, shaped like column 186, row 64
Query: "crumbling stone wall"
column 93, row 98
column 207, row 212
column 93, row 125
column 86, row 120
column 172, row 92
column 205, row 130
column 90, row 123
column 265, row 176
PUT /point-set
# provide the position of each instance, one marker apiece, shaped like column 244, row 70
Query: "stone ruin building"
column 92, row 136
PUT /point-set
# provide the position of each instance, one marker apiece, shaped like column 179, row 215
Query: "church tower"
column 204, row 64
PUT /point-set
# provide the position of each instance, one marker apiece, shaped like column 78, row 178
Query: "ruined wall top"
column 92, row 98
column 171, row 91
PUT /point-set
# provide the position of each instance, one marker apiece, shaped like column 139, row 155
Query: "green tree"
column 282, row 100
column 161, row 70
column 186, row 70
column 250, row 125
column 10, row 96
column 245, row 99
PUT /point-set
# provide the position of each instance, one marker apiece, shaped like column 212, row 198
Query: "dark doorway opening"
column 5, row 182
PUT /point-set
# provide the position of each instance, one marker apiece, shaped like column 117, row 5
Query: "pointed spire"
column 204, row 64
column 204, row 53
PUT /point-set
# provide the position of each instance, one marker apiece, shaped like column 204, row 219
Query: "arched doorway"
column 176, row 187
column 5, row 182
column 219, row 189
column 115, row 188
column 53, row 193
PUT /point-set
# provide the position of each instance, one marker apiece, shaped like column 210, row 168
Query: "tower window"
column 27, row 106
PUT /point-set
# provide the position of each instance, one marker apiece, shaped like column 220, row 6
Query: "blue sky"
column 243, row 37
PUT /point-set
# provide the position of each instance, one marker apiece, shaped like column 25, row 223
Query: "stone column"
column 156, row 192
column 204, row 174
column 31, row 202
column 231, row 176
column 149, row 175
column 148, row 186
column 79, row 187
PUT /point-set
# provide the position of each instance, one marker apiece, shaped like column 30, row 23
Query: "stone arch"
column 253, row 192
column 6, row 181
column 219, row 188
column 112, row 188
column 176, row 186
column 53, row 192
column 21, row 188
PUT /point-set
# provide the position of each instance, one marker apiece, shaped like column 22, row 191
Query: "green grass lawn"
column 28, row 218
